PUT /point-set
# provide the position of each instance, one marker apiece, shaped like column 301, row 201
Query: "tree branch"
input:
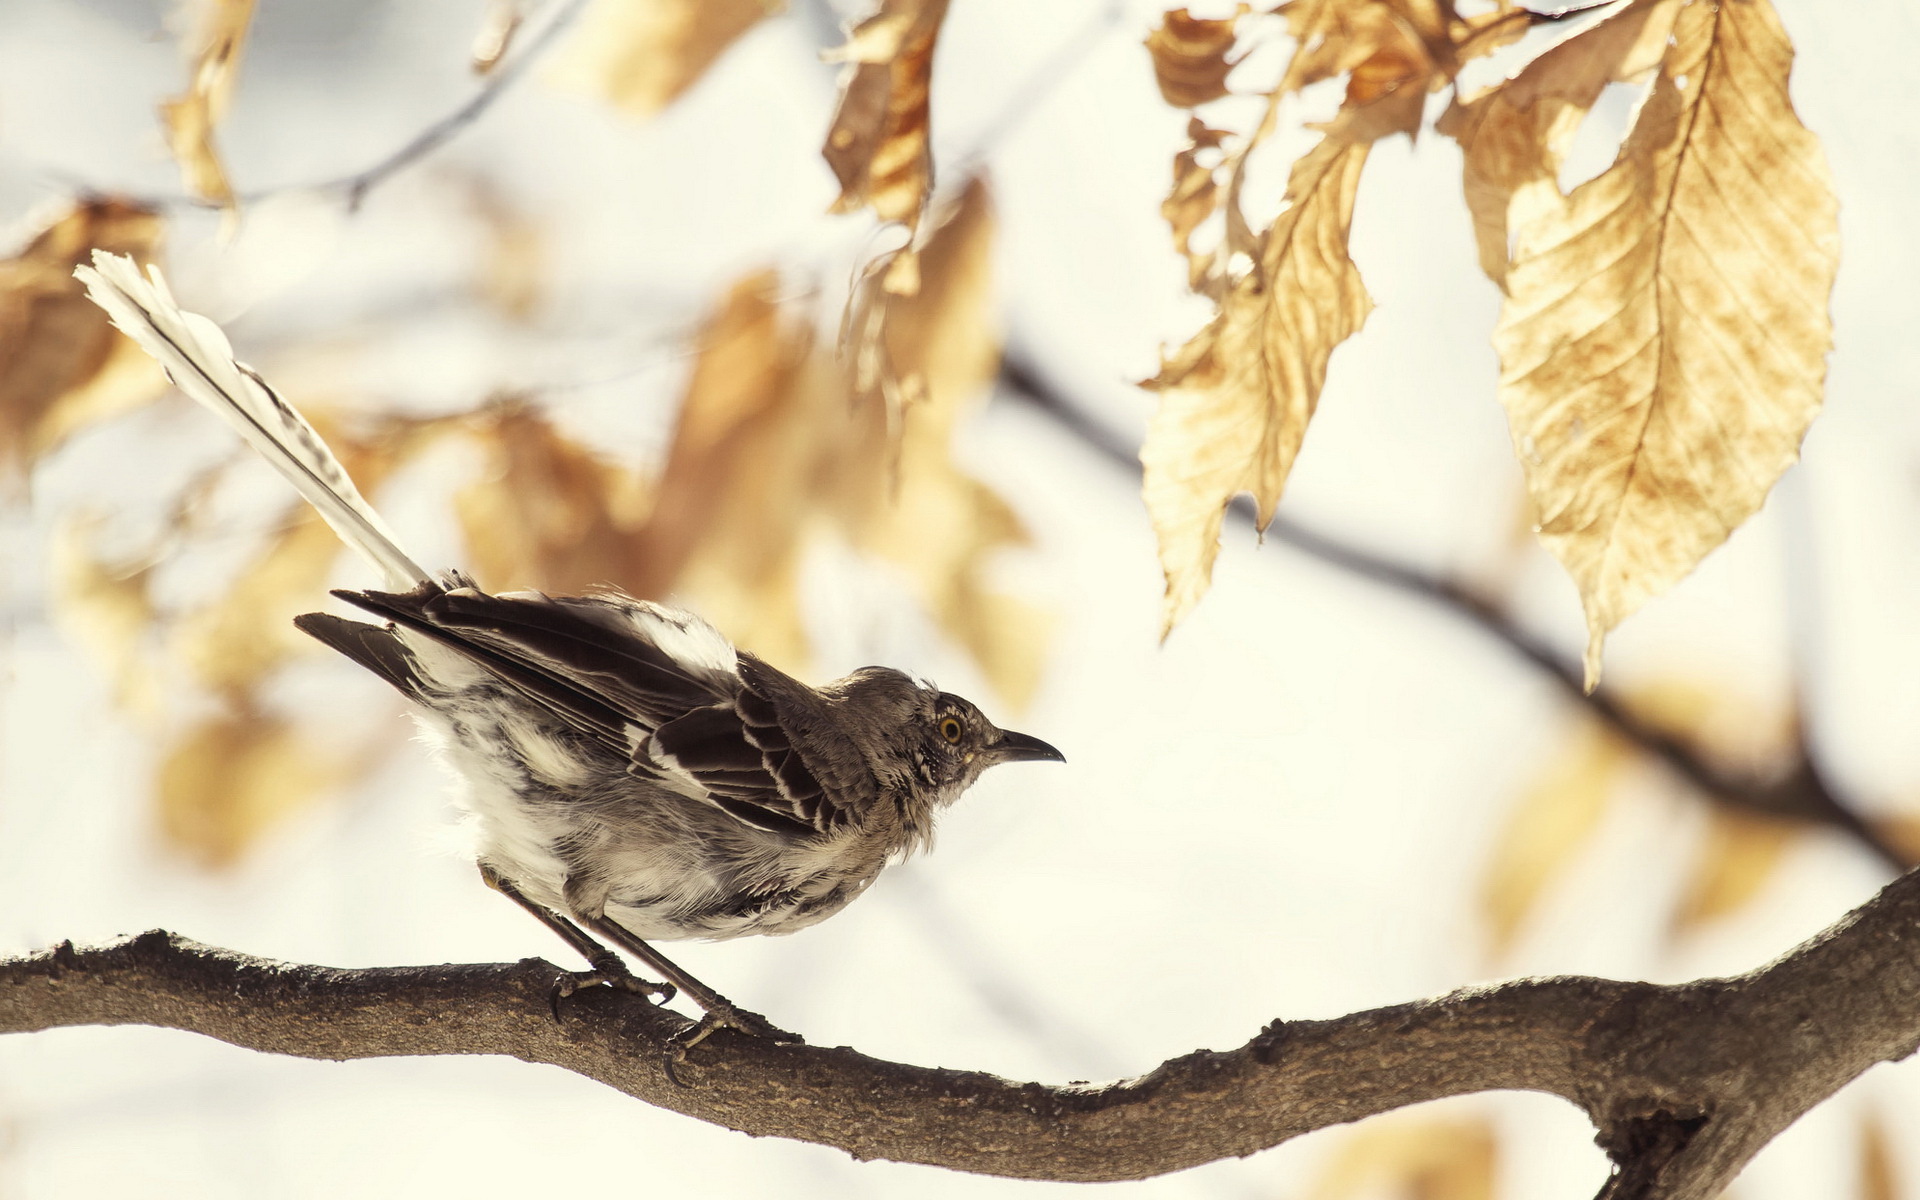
column 1802, row 793
column 1685, row 1082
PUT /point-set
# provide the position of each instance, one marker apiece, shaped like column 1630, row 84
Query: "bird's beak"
column 1018, row 747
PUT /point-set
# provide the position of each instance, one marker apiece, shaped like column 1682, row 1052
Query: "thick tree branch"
column 1802, row 793
column 1685, row 1083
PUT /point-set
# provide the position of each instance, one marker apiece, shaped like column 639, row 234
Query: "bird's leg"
column 606, row 966
column 720, row 1012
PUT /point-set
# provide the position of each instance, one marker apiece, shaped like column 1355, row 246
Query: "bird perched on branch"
column 632, row 775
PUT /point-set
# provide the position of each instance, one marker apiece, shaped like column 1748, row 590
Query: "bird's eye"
column 950, row 729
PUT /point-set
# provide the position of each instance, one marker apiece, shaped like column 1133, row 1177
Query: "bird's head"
column 957, row 743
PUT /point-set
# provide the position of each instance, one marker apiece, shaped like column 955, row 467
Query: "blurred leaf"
column 1190, row 56
column 1412, row 1159
column 643, row 54
column 1556, row 818
column 1664, row 339
column 940, row 524
column 234, row 644
column 219, row 35
column 107, row 608
column 233, row 777
column 1902, row 830
column 62, row 366
column 547, row 511
column 1879, row 1173
column 768, row 454
column 878, row 144
column 1235, row 400
column 513, row 265
column 1516, row 133
column 497, row 29
column 1737, row 859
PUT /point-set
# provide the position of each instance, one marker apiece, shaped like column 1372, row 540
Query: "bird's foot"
column 608, row 972
column 723, row 1015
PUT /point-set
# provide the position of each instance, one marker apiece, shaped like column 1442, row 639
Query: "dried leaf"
column 768, row 455
column 233, row 777
column 1518, row 132
column 1192, row 201
column 1413, row 1158
column 1190, row 56
column 1879, row 1170
column 107, row 608
column 513, row 266
column 878, row 144
column 502, row 21
column 216, row 43
column 1236, row 398
column 1738, row 859
column 1663, row 344
column 547, row 512
column 61, row 364
column 1555, row 819
column 644, row 55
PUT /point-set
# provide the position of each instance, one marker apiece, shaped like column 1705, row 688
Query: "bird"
column 630, row 774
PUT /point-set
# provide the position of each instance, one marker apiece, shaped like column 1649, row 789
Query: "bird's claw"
column 606, row 975
column 722, row 1017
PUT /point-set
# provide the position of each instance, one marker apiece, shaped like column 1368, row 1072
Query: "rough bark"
column 1683, row 1082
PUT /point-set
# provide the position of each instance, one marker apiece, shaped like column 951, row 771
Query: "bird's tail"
column 199, row 360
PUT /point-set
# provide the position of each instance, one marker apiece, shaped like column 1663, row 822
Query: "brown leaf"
column 1517, row 132
column 1412, row 1158
column 547, row 511
column 1192, row 201
column 768, row 455
column 62, row 365
column 644, row 54
column 1190, row 56
column 1879, row 1169
column 107, row 608
column 216, row 43
column 878, row 143
column 233, row 777
column 1739, row 857
column 1555, row 819
column 1664, row 339
column 1235, row 400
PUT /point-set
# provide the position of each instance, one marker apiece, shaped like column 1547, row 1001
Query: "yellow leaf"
column 768, row 455
column 1236, row 398
column 878, row 142
column 1413, row 1159
column 547, row 512
column 1555, row 819
column 643, row 54
column 232, row 778
column 1739, row 857
column 107, row 608
column 1193, row 199
column 1663, row 343
column 62, row 366
column 1190, row 56
column 189, row 118
column 1879, row 1171
column 1517, row 132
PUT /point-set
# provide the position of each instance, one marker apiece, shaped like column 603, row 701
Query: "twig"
column 1801, row 794
column 1685, row 1083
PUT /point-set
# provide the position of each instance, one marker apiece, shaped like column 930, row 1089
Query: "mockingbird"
column 630, row 773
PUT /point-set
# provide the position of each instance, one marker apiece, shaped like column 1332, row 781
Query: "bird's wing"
column 654, row 685
column 741, row 756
